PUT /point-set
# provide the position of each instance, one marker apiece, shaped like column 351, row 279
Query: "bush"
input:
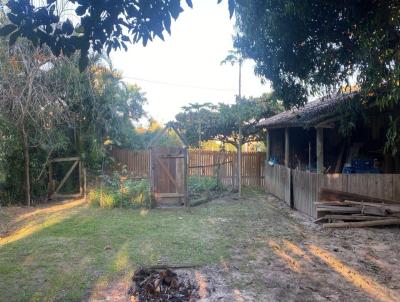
column 130, row 194
column 198, row 185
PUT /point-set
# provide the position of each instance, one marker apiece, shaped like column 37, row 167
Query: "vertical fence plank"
column 396, row 187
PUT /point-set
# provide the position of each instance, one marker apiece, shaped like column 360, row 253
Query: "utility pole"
column 233, row 58
column 240, row 131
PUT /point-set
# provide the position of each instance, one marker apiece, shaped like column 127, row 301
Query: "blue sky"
column 186, row 66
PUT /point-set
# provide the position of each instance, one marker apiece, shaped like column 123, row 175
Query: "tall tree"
column 31, row 101
column 312, row 46
column 201, row 116
column 223, row 121
column 102, row 24
column 49, row 108
column 251, row 111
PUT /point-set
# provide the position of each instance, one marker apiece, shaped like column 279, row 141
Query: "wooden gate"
column 168, row 175
column 169, row 170
column 54, row 190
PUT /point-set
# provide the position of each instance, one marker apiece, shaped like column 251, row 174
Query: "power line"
column 178, row 84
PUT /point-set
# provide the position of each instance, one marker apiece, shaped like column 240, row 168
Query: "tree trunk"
column 27, row 179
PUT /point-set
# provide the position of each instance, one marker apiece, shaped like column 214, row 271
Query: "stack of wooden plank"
column 338, row 209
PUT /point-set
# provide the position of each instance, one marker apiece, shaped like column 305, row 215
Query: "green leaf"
column 7, row 29
column 167, row 23
column 231, row 6
column 189, row 3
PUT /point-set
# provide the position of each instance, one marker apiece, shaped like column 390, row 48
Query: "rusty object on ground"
column 155, row 285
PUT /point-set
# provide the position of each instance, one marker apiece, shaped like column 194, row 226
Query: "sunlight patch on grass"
column 121, row 261
column 30, row 230
column 144, row 212
column 52, row 209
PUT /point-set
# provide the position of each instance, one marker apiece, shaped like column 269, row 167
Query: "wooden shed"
column 310, row 139
column 169, row 170
column 306, row 152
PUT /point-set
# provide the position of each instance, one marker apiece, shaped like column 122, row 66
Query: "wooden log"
column 349, row 218
column 363, row 209
column 338, row 209
column 329, row 203
column 380, row 222
column 336, row 195
column 391, row 208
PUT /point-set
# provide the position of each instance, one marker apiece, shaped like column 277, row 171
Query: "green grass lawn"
column 64, row 253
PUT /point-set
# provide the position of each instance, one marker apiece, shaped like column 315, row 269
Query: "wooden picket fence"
column 135, row 162
column 203, row 163
column 275, row 179
column 306, row 186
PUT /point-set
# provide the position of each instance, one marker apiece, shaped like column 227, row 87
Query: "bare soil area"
column 286, row 257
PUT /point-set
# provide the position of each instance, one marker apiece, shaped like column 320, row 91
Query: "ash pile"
column 156, row 285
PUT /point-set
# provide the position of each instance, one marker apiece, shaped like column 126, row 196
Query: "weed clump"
column 117, row 191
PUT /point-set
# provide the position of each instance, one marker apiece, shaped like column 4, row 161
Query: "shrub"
column 203, row 184
column 129, row 194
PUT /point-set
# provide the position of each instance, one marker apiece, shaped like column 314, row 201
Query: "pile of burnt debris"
column 156, row 285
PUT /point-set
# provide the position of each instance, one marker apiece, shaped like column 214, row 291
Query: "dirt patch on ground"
column 287, row 257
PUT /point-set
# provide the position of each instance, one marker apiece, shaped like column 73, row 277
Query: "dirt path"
column 286, row 257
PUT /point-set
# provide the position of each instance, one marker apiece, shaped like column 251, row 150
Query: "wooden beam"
column 268, row 151
column 80, row 178
column 171, row 156
column 287, row 147
column 339, row 209
column 330, row 194
column 157, row 137
column 185, row 178
column 84, row 183
column 69, row 196
column 57, row 160
column 169, row 195
column 349, row 218
column 320, row 150
column 51, row 182
column 181, row 138
column 389, row 221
